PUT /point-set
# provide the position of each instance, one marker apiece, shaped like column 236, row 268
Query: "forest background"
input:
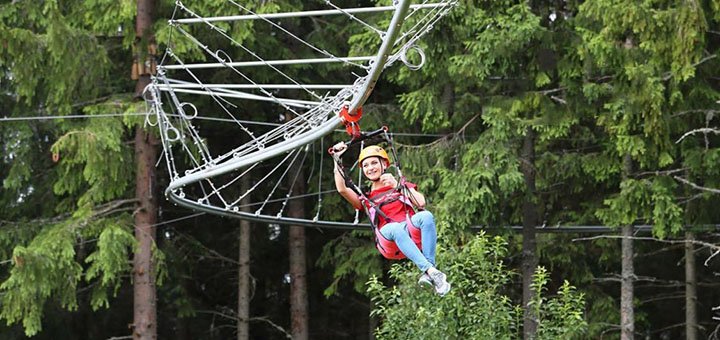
column 528, row 117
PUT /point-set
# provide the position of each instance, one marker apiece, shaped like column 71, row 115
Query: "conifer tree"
column 57, row 64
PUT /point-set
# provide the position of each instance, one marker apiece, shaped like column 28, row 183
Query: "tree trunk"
column 690, row 289
column 298, row 266
column 530, row 221
column 243, row 312
column 448, row 99
column 298, row 284
column 627, row 314
column 145, row 318
column 145, row 314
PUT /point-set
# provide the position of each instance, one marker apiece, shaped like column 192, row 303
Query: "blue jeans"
column 398, row 232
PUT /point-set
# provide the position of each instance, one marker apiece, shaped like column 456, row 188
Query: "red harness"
column 388, row 248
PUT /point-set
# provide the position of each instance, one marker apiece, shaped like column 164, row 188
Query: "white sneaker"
column 439, row 280
column 425, row 280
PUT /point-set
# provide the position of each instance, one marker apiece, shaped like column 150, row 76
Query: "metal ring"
column 222, row 60
column 176, row 132
column 152, row 112
column 403, row 57
column 182, row 111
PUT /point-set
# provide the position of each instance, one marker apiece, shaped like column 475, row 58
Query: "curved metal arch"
column 359, row 98
column 303, row 222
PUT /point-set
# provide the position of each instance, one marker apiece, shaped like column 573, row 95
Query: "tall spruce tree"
column 638, row 56
column 56, row 64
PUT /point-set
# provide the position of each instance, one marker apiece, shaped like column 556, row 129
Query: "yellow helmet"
column 373, row 151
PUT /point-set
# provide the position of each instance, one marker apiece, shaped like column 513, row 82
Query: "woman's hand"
column 339, row 148
column 388, row 180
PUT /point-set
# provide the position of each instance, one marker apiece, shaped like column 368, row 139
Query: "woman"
column 390, row 211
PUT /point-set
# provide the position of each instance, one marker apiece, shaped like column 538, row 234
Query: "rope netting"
column 278, row 91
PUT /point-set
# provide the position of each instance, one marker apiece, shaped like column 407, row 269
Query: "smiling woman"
column 396, row 212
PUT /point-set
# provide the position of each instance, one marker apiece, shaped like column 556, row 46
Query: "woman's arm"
column 344, row 191
column 417, row 198
column 340, row 186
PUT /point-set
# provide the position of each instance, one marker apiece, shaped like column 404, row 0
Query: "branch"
column 664, row 249
column 256, row 318
column 220, row 314
column 98, row 211
column 614, row 278
column 669, row 327
column 706, row 244
column 713, row 56
column 695, row 186
column 651, row 279
column 692, row 132
column 444, row 138
column 91, row 102
column 683, row 200
column 660, row 173
column 714, row 334
column 558, row 99
column 609, row 328
column 265, row 319
column 546, row 92
column 705, row 111
column 711, row 256
column 104, row 208
column 666, row 297
column 592, row 238
column 216, row 255
column 715, row 247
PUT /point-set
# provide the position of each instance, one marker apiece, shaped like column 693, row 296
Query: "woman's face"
column 372, row 168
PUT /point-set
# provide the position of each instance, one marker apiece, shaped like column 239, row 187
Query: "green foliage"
column 645, row 52
column 241, row 32
column 560, row 317
column 43, row 270
column 354, row 258
column 422, row 105
column 487, row 174
column 476, row 307
column 493, row 35
column 649, row 201
column 20, row 154
column 55, row 60
column 109, row 261
column 94, row 161
column 159, row 266
column 50, row 57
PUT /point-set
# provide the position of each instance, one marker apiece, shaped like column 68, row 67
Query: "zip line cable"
column 570, row 229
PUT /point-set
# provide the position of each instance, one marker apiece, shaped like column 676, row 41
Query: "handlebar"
column 363, row 136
